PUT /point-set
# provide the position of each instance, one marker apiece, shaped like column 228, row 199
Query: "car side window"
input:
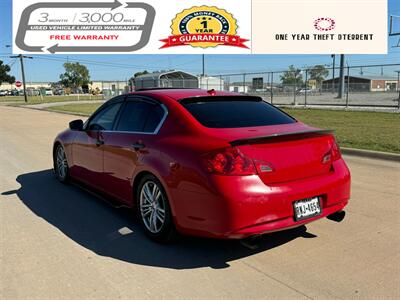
column 104, row 120
column 140, row 116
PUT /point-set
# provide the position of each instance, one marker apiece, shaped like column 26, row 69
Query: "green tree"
column 75, row 76
column 4, row 76
column 140, row 73
column 318, row 73
column 292, row 76
column 137, row 74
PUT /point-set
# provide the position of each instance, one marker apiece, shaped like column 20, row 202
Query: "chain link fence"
column 363, row 86
column 38, row 92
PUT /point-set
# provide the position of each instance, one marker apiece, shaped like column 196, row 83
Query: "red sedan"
column 205, row 163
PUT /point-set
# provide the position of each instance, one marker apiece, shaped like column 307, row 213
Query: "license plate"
column 307, row 208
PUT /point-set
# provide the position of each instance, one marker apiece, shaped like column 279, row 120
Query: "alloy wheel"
column 61, row 163
column 152, row 206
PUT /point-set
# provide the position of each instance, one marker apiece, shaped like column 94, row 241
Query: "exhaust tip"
column 337, row 216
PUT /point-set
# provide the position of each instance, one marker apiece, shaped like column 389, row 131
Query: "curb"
column 53, row 111
column 65, row 112
column 371, row 154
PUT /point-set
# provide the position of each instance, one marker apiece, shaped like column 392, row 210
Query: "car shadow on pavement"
column 115, row 233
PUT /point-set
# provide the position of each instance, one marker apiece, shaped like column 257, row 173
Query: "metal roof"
column 172, row 73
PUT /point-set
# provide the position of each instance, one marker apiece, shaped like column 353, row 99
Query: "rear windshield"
column 235, row 112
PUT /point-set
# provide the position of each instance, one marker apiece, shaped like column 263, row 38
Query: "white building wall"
column 238, row 88
column 208, row 83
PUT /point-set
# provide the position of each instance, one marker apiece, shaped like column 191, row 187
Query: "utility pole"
column 341, row 82
column 333, row 72
column 21, row 60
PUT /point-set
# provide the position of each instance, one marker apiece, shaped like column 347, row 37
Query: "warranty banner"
column 200, row 26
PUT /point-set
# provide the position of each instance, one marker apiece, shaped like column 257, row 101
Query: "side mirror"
column 76, row 125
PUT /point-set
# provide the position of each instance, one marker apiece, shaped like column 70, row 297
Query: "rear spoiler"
column 281, row 136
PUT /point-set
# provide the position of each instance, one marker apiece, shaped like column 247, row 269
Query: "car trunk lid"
column 289, row 156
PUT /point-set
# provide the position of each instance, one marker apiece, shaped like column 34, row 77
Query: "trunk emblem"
column 266, row 169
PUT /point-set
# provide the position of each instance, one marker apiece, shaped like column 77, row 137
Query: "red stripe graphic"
column 186, row 39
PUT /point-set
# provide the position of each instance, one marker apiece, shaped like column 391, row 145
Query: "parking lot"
column 62, row 242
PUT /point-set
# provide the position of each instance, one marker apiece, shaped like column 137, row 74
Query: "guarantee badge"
column 204, row 27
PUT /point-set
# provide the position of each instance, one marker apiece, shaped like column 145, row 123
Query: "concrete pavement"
column 58, row 242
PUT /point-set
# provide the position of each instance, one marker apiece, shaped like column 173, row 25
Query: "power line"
column 104, row 64
column 94, row 62
column 11, row 63
column 219, row 70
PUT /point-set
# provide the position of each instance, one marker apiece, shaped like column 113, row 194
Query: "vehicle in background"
column 32, row 92
column 15, row 93
column 59, row 92
column 3, row 93
column 48, row 92
column 308, row 91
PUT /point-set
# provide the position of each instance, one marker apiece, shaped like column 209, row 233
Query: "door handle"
column 137, row 146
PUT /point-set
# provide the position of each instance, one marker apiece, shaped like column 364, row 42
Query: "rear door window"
column 235, row 112
column 140, row 116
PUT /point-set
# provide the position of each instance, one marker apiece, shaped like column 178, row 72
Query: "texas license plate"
column 307, row 208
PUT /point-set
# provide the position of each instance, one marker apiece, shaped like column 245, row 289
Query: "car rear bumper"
column 241, row 206
column 281, row 224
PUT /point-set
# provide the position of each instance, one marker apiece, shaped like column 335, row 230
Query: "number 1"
column 205, row 24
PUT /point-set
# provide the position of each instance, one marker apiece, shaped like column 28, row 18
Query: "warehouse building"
column 363, row 84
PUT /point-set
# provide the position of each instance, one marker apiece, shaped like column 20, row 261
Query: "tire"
column 154, row 211
column 61, row 169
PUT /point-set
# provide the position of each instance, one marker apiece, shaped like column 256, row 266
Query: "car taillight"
column 336, row 154
column 333, row 154
column 229, row 161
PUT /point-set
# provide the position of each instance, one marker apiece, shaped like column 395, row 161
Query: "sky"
column 121, row 67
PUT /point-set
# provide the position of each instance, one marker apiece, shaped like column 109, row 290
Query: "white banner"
column 200, row 26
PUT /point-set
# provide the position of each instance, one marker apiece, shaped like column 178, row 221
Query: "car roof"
column 179, row 94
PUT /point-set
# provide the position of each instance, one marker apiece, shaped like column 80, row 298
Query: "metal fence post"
column 220, row 83
column 244, row 83
column 398, row 86
column 272, row 87
column 305, row 91
column 399, row 100
column 348, row 87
